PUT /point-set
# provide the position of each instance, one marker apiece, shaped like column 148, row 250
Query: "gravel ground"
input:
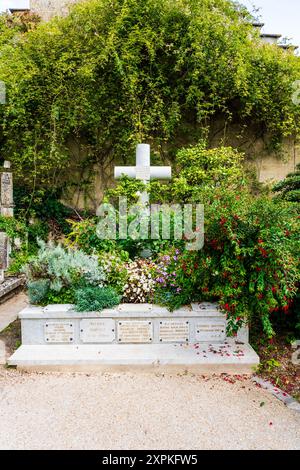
column 140, row 411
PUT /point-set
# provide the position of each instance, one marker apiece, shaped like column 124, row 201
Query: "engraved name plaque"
column 59, row 332
column 210, row 331
column 97, row 331
column 135, row 331
column 173, row 331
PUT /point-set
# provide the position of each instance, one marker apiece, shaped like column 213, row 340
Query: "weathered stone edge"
column 287, row 399
column 17, row 282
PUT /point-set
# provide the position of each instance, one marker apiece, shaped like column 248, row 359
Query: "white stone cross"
column 143, row 171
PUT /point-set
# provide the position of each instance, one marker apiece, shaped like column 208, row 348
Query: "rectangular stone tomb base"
column 140, row 335
column 206, row 358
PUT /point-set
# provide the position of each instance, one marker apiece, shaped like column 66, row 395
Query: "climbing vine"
column 115, row 72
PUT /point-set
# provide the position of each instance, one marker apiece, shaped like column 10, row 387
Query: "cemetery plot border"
column 131, row 335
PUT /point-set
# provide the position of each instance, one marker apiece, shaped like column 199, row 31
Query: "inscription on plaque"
column 210, row 331
column 173, row 331
column 97, row 331
column 59, row 332
column 135, row 331
column 198, row 307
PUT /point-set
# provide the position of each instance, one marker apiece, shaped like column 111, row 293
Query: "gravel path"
column 140, row 411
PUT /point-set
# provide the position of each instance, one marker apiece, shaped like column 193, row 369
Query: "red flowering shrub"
column 249, row 263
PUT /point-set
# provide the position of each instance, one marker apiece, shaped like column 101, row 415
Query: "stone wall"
column 49, row 8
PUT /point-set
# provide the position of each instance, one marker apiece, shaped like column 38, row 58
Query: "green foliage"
column 197, row 169
column 113, row 264
column 46, row 209
column 289, row 188
column 64, row 269
column 64, row 296
column 201, row 169
column 112, row 74
column 128, row 187
column 38, row 290
column 249, row 263
column 17, row 232
column 83, row 236
column 95, row 299
column 213, row 167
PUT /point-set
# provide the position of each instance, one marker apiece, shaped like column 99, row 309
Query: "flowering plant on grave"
column 249, row 263
column 140, row 283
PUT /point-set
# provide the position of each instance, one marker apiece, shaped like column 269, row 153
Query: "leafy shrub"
column 83, row 236
column 18, row 260
column 19, row 22
column 115, row 270
column 170, row 66
column 249, row 263
column 95, row 299
column 202, row 167
column 198, row 170
column 289, row 188
column 64, row 269
column 15, row 229
column 64, row 296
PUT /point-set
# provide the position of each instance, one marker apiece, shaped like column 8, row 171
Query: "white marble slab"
column 93, row 330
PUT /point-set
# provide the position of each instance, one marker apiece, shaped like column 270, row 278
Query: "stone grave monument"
column 6, row 210
column 143, row 336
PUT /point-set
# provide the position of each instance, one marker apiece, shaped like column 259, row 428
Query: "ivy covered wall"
column 84, row 89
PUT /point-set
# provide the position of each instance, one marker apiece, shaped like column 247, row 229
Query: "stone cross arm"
column 143, row 171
